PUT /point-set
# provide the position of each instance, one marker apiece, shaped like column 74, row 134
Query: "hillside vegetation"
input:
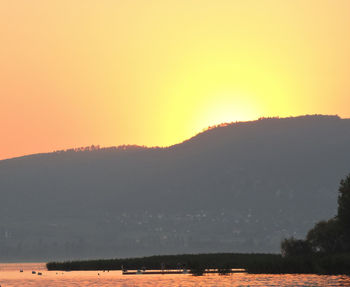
column 241, row 187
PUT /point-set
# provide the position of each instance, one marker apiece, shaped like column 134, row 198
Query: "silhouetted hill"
column 241, row 187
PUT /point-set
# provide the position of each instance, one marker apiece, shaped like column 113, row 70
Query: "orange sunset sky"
column 109, row 72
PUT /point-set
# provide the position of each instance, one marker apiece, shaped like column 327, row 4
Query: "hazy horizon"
column 240, row 187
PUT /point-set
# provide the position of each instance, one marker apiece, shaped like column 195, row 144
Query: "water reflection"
column 10, row 276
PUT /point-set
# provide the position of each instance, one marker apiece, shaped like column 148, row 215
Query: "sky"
column 110, row 72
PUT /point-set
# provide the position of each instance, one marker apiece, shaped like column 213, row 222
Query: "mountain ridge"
column 235, row 188
column 136, row 147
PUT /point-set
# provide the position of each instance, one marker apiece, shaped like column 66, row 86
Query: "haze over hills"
column 235, row 188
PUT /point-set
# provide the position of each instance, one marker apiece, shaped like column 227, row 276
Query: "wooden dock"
column 152, row 272
column 165, row 272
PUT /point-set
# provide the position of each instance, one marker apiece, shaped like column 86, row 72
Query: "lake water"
column 10, row 276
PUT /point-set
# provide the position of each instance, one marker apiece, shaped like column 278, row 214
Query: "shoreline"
column 254, row 263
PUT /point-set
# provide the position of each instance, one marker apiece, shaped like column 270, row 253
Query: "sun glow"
column 226, row 108
column 154, row 73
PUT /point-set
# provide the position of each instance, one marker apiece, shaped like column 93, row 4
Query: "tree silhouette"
column 295, row 247
column 344, row 203
column 344, row 211
column 327, row 237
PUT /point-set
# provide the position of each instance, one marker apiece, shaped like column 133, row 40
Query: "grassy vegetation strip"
column 253, row 263
column 207, row 261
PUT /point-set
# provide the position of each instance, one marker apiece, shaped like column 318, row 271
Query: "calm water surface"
column 10, row 276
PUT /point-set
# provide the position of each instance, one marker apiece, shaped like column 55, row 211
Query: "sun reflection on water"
column 10, row 276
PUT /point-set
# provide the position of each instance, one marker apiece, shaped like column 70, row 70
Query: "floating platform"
column 164, row 272
column 150, row 272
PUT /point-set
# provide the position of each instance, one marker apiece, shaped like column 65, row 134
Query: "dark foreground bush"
column 315, row 264
column 196, row 268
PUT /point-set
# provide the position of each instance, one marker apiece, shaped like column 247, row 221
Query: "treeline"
column 98, row 148
column 314, row 116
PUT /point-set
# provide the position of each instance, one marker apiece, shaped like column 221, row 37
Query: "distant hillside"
column 235, row 188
